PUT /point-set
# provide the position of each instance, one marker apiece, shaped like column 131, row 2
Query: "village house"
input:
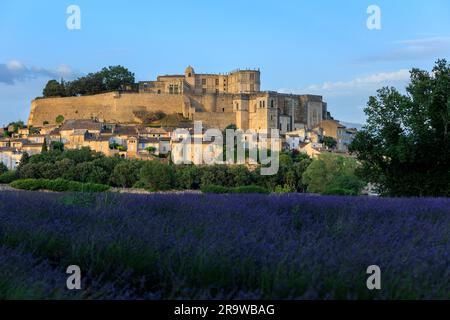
column 10, row 157
column 342, row 135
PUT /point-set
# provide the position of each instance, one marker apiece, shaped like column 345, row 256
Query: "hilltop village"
column 138, row 121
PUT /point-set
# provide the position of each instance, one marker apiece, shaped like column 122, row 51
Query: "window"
column 223, row 109
column 271, row 103
column 217, row 82
column 204, row 90
column 252, row 76
column 217, row 90
column 204, row 82
column 159, row 91
column 189, row 75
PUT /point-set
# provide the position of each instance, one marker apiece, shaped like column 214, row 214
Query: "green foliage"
column 59, row 119
column 284, row 189
column 187, row 177
column 126, row 174
column 112, row 78
column 215, row 189
column 216, row 175
column 59, row 185
column 44, row 146
column 242, row 189
column 57, row 145
column 151, row 149
column 240, row 175
column 250, row 189
column 331, row 171
column 3, row 168
column 405, row 146
column 8, row 177
column 155, row 176
column 16, row 125
column 54, row 88
column 329, row 142
column 339, row 191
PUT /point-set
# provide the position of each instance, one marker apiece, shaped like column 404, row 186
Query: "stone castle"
column 217, row 100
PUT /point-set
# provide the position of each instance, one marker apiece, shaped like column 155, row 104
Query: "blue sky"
column 320, row 47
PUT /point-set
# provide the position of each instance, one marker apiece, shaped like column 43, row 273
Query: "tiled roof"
column 81, row 124
column 125, row 130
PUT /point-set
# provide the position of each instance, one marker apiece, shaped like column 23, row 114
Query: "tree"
column 125, row 174
column 329, row 142
column 59, row 119
column 331, row 172
column 405, row 147
column 3, row 168
column 115, row 77
column 57, row 145
column 156, row 176
column 241, row 175
column 54, row 89
column 112, row 78
column 188, row 176
column 16, row 126
column 44, row 146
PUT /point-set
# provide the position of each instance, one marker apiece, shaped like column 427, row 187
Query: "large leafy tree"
column 405, row 147
column 108, row 79
column 54, row 88
column 114, row 77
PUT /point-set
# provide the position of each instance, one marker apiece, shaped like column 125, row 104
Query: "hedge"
column 241, row 189
column 8, row 177
column 250, row 189
column 339, row 192
column 59, row 185
column 215, row 189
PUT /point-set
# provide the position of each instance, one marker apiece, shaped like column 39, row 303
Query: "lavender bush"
column 194, row 246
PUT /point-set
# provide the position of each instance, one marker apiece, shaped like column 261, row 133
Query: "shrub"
column 27, row 184
column 215, row 189
column 3, row 168
column 331, row 171
column 241, row 189
column 250, row 189
column 339, row 192
column 284, row 189
column 59, row 185
column 59, row 119
column 125, row 174
column 8, row 177
column 156, row 176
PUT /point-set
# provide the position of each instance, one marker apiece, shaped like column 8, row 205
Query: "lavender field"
column 194, row 246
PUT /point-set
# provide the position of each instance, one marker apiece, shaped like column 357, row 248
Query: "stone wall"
column 219, row 120
column 109, row 107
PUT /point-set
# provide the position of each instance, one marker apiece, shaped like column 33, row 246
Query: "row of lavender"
column 197, row 246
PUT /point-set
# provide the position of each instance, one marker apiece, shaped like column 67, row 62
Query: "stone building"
column 218, row 100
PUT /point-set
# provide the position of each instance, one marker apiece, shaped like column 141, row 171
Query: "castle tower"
column 189, row 75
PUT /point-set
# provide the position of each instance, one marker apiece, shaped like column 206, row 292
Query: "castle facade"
column 218, row 100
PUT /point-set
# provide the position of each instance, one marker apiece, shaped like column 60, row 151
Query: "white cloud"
column 366, row 82
column 15, row 65
column 14, row 70
column 414, row 49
